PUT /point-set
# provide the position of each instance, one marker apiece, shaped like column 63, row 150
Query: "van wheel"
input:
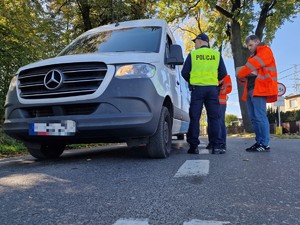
column 159, row 145
column 45, row 151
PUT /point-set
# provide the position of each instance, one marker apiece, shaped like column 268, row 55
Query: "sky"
column 286, row 50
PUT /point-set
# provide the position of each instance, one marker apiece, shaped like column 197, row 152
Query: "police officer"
column 202, row 69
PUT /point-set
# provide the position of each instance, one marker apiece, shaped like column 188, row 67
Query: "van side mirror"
column 175, row 57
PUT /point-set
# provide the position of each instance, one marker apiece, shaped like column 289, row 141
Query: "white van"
column 115, row 83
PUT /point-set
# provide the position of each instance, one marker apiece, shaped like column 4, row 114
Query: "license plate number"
column 62, row 128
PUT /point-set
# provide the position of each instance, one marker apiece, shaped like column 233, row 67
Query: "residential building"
column 291, row 103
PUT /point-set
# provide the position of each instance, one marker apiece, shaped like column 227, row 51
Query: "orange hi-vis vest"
column 226, row 88
column 266, row 81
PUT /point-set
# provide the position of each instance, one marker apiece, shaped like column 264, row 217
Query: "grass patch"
column 78, row 146
column 244, row 135
column 286, row 136
column 251, row 135
column 10, row 146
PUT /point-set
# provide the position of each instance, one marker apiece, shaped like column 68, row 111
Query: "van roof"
column 128, row 24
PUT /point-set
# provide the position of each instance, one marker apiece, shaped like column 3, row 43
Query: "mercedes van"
column 116, row 83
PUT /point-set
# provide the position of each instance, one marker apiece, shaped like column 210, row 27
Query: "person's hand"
column 237, row 69
column 241, row 80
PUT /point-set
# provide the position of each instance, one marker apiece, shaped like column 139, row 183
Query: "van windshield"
column 141, row 39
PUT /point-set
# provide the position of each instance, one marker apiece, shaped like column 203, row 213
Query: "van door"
column 185, row 94
column 174, row 81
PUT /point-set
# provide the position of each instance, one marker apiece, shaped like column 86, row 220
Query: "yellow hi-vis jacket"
column 205, row 64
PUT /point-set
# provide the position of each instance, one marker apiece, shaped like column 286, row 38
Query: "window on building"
column 293, row 103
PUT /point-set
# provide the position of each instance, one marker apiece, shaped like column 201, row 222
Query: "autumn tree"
column 230, row 21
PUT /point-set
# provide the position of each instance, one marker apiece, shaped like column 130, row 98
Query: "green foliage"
column 289, row 116
column 229, row 119
column 272, row 115
column 27, row 33
column 10, row 146
column 220, row 14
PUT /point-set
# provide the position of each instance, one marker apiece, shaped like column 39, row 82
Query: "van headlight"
column 135, row 71
column 13, row 83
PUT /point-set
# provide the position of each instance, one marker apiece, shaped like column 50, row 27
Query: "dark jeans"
column 207, row 96
column 223, row 131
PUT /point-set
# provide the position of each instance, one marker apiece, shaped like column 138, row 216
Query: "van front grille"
column 60, row 110
column 61, row 80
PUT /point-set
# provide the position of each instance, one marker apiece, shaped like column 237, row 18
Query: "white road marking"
column 132, row 222
column 191, row 222
column 193, row 168
column 205, row 222
column 202, row 145
column 203, row 151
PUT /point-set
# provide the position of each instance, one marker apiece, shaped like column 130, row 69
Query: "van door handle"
column 177, row 82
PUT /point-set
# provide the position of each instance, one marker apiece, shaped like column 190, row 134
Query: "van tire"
column 159, row 145
column 45, row 151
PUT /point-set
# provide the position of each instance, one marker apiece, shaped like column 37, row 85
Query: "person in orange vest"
column 225, row 88
column 259, row 78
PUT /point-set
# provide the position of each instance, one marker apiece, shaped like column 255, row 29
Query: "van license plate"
column 62, row 128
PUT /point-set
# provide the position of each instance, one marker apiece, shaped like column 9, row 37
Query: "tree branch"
column 186, row 30
column 59, row 9
column 186, row 12
column 266, row 8
column 224, row 12
column 198, row 18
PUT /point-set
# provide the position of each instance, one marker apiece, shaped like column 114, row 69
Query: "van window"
column 167, row 52
column 142, row 39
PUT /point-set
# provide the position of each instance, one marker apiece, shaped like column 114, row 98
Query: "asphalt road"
column 116, row 185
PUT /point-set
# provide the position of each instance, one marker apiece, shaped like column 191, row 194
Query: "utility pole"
column 296, row 84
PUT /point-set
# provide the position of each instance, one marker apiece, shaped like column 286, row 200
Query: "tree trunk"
column 240, row 56
column 85, row 13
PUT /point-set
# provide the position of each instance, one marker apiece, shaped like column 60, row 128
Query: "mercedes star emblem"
column 53, row 79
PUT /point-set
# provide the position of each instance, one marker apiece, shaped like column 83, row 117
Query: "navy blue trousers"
column 223, row 130
column 209, row 97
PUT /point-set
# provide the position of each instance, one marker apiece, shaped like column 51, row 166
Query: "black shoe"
column 223, row 146
column 193, row 151
column 209, row 147
column 252, row 148
column 218, row 151
column 262, row 148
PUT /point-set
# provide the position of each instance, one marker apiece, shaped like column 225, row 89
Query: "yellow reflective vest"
column 205, row 64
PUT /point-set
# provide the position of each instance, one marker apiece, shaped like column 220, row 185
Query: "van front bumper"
column 127, row 109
